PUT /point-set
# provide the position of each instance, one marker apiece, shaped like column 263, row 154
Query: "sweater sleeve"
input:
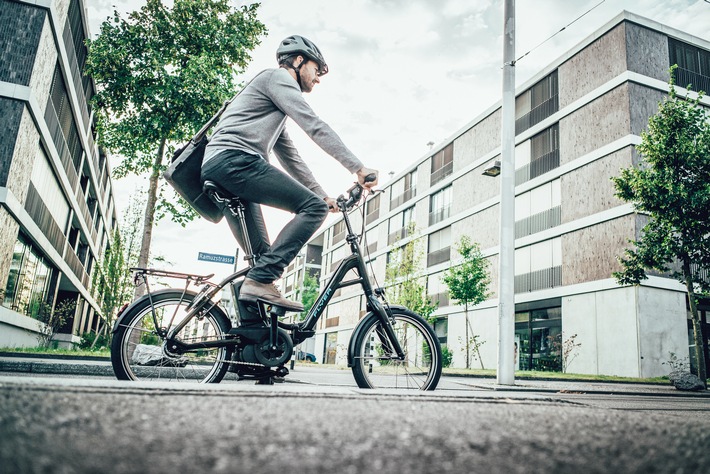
column 286, row 95
column 292, row 162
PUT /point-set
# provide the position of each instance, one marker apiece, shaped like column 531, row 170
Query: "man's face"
column 309, row 75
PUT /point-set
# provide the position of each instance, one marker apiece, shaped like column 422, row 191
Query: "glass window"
column 27, row 286
column 442, row 164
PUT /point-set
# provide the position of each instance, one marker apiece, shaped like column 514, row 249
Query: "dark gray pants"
column 255, row 182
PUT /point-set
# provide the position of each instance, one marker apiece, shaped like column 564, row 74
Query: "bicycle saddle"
column 214, row 189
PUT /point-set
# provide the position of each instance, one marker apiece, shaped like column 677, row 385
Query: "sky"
column 403, row 74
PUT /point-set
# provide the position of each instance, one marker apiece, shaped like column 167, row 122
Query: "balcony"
column 537, row 114
column 397, row 235
column 439, row 215
column 537, row 167
column 685, row 77
column 438, row 256
column 539, row 280
column 404, row 197
column 442, row 172
column 538, row 222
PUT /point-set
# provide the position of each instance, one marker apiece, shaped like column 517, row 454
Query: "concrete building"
column 56, row 203
column 577, row 123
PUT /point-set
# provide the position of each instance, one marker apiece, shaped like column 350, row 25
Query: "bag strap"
column 203, row 131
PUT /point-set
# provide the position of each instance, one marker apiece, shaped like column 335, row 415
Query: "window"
column 338, row 232
column 404, row 189
column 371, row 240
column 693, row 65
column 437, row 290
column 401, row 225
column 538, row 266
column 538, row 209
column 442, row 164
column 372, row 209
column 537, row 103
column 538, row 339
column 440, row 206
column 544, row 155
column 439, row 247
column 28, row 282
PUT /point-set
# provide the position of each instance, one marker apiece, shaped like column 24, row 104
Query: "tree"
column 468, row 284
column 111, row 283
column 161, row 74
column 52, row 320
column 403, row 278
column 672, row 187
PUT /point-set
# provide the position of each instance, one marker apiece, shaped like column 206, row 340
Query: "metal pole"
column 506, row 273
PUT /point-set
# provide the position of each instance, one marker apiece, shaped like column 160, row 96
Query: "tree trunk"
column 697, row 328
column 149, row 218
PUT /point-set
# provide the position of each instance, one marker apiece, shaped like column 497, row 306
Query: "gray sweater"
column 255, row 123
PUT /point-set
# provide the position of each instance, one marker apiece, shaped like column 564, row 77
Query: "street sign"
column 212, row 257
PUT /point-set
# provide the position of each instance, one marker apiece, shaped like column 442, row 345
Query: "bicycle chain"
column 253, row 364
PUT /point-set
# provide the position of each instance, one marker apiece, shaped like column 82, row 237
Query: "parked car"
column 307, row 356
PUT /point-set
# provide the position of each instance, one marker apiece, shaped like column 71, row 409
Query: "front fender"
column 364, row 322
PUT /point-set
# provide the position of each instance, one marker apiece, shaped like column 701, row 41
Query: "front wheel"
column 138, row 352
column 375, row 365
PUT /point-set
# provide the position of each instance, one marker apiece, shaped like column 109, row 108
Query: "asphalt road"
column 53, row 425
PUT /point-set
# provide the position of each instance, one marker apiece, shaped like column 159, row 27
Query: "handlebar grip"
column 370, row 178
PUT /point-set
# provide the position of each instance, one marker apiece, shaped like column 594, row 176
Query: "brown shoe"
column 253, row 290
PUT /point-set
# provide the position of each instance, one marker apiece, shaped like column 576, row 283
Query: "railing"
column 371, row 247
column 330, row 322
column 338, row 237
column 442, row 172
column 55, row 130
column 438, row 256
column 537, row 167
column 441, row 299
column 398, row 234
column 539, row 280
column 76, row 266
column 685, row 77
column 439, row 215
column 43, row 218
column 537, row 114
column 538, row 222
column 404, row 197
column 76, row 75
column 372, row 216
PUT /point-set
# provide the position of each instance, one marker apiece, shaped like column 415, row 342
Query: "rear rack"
column 139, row 272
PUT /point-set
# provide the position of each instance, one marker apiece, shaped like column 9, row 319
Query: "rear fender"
column 127, row 310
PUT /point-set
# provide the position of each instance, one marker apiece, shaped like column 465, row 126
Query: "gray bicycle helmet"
column 296, row 44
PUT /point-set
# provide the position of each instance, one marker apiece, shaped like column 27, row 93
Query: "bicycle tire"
column 137, row 351
column 375, row 365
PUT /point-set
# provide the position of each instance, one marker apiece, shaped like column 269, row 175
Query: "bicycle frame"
column 203, row 301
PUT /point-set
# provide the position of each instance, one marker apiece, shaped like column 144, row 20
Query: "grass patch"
column 524, row 374
column 57, row 352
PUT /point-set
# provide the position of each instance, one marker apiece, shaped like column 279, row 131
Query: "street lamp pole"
column 506, row 273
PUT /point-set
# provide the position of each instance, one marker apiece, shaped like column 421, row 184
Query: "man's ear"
column 296, row 62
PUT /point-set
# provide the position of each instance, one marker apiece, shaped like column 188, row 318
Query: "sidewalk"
column 101, row 366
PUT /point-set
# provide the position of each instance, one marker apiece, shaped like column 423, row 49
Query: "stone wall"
column 592, row 67
column 589, row 189
column 589, row 254
column 598, row 123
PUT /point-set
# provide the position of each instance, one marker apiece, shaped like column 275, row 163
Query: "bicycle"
column 181, row 335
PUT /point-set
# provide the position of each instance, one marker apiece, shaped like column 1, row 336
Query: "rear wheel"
column 138, row 352
column 376, row 365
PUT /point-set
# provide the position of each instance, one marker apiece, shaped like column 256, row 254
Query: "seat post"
column 237, row 209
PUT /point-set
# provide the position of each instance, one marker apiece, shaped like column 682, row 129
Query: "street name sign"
column 212, row 257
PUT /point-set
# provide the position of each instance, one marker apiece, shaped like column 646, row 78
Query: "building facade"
column 56, row 203
column 577, row 123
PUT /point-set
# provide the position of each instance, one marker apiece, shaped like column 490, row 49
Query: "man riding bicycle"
column 251, row 127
